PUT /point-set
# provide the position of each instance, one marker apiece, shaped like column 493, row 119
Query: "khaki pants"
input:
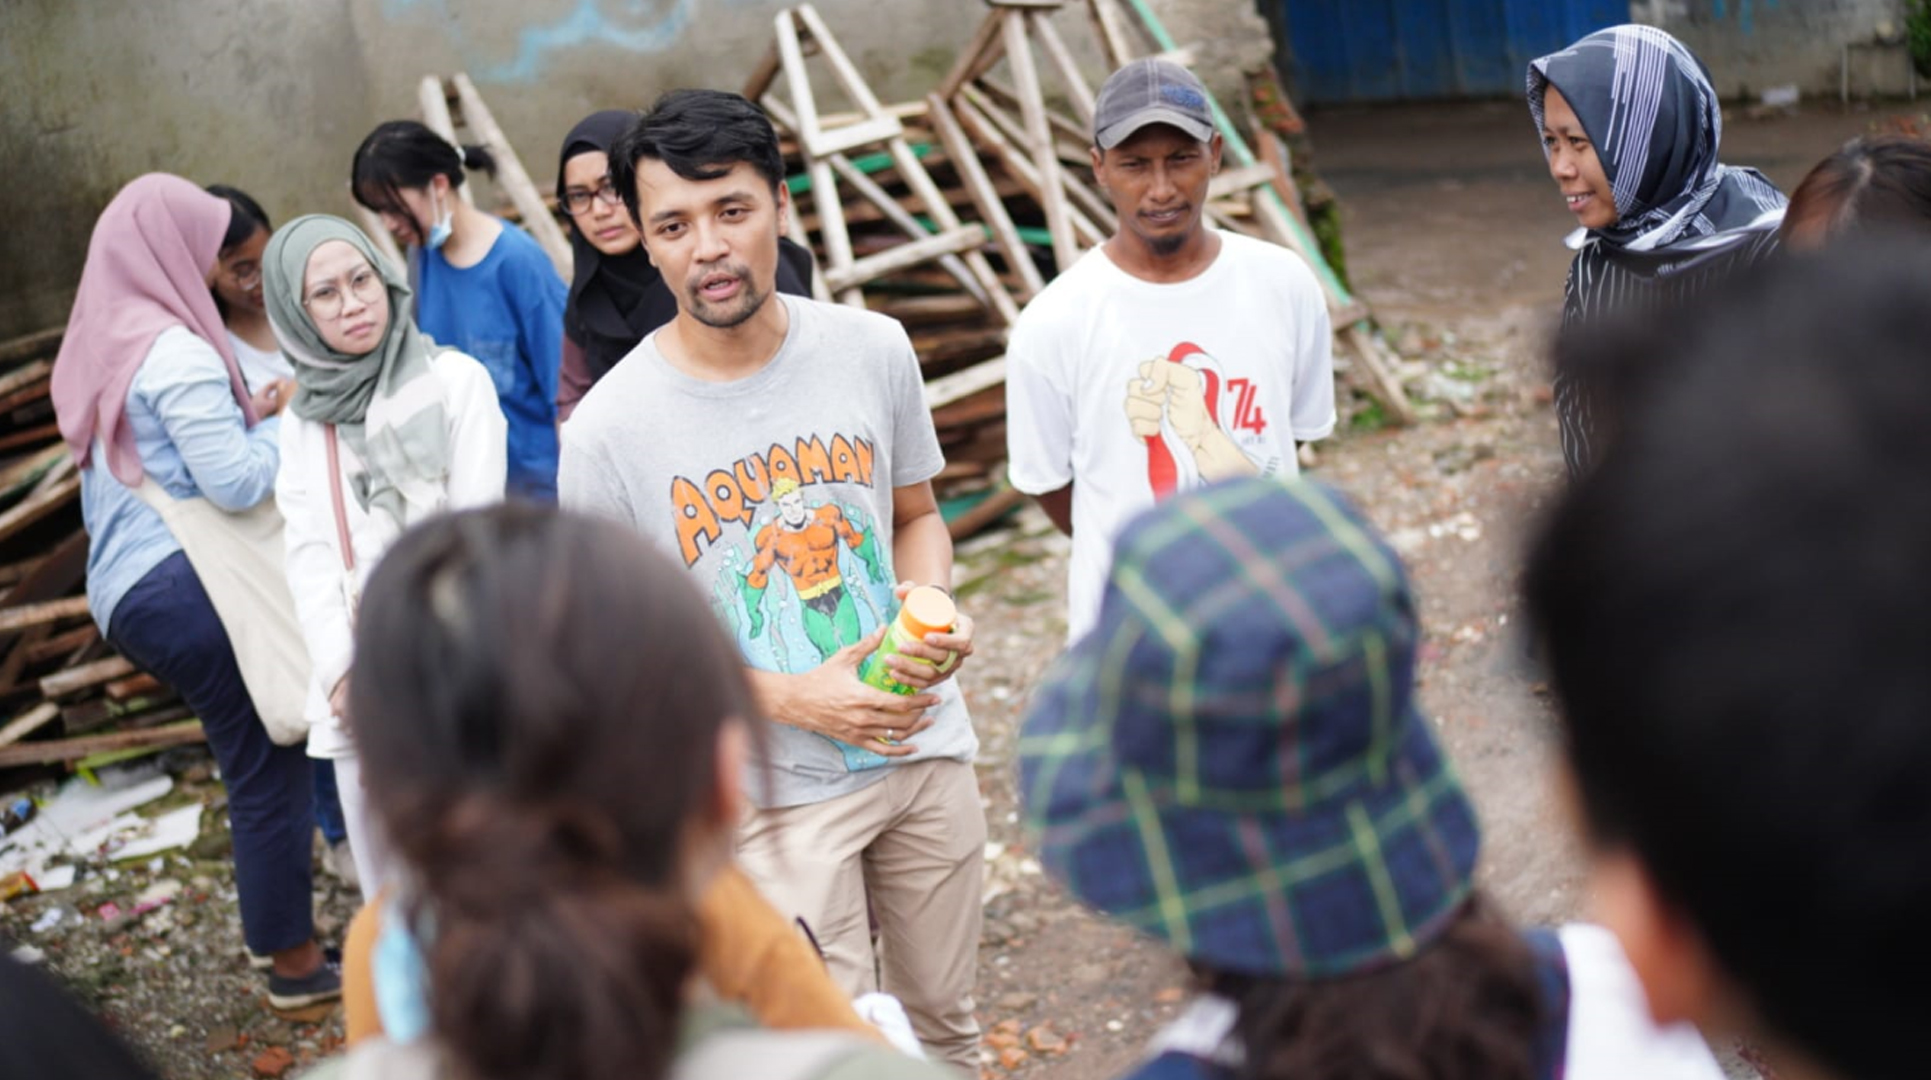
column 915, row 842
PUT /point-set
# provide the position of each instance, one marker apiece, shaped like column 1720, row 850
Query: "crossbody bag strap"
column 335, row 497
column 1552, row 981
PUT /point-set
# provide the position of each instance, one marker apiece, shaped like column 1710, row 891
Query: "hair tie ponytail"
column 547, row 960
column 403, row 154
column 477, row 157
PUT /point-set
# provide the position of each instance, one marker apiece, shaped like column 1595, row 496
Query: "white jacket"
column 478, row 462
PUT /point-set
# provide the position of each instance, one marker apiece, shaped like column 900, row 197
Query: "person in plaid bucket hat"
column 1233, row 761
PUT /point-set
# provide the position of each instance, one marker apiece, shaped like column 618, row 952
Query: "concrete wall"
column 544, row 64
column 264, row 94
column 1752, row 44
column 273, row 95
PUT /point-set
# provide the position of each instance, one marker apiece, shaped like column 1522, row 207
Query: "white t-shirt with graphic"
column 1132, row 390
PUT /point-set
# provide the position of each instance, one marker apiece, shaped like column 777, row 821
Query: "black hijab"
column 1648, row 106
column 617, row 300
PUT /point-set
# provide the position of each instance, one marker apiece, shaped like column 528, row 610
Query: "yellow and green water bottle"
column 927, row 609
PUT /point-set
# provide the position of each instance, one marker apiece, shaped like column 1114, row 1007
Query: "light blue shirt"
column 193, row 441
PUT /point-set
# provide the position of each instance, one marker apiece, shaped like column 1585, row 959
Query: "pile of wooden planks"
column 70, row 697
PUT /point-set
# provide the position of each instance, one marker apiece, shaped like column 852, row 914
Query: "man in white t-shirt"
column 1171, row 356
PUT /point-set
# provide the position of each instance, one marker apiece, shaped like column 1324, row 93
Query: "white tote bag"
column 243, row 565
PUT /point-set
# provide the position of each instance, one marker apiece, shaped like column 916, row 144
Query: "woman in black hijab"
column 616, row 296
column 1631, row 126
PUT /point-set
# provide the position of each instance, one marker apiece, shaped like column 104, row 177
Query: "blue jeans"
column 167, row 625
column 328, row 803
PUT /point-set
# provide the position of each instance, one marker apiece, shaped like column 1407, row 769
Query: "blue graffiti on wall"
column 640, row 26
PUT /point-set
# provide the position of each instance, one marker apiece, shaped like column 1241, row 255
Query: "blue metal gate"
column 1384, row 50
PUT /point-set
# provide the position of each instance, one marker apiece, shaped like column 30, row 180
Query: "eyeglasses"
column 326, row 302
column 244, row 275
column 577, row 200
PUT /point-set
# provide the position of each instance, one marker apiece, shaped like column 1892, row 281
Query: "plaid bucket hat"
column 1232, row 760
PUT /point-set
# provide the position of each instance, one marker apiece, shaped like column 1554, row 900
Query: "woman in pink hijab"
column 151, row 402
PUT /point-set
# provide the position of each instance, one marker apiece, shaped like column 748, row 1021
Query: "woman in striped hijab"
column 1631, row 125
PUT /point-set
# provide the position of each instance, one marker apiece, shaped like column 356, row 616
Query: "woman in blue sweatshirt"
column 482, row 286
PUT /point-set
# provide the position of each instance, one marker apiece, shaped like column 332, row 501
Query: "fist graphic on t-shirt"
column 1171, row 401
column 1175, row 391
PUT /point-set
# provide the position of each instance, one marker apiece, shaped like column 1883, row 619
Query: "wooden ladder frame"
column 1015, row 125
column 826, row 144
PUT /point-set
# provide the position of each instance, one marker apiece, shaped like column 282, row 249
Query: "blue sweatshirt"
column 507, row 312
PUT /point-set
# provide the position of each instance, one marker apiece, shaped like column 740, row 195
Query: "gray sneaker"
column 322, row 984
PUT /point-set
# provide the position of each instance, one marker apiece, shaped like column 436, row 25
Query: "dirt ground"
column 1454, row 235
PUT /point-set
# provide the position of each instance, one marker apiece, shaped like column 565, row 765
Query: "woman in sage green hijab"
column 385, row 430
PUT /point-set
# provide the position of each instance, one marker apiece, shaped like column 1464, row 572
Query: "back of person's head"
column 547, row 716
column 1467, row 1007
column 248, row 217
column 1874, row 185
column 403, row 154
column 1734, row 605
column 699, row 135
column 46, row 1035
column 1233, row 760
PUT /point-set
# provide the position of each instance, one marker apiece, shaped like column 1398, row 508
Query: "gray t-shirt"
column 775, row 492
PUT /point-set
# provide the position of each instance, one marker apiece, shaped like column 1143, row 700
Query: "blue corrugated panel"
column 1382, row 50
column 1482, row 67
column 1320, row 44
column 1424, row 49
column 1374, row 47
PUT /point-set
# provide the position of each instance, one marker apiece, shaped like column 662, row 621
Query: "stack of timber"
column 942, row 257
column 65, row 695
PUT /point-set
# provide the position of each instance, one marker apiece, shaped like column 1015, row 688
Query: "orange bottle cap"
column 928, row 610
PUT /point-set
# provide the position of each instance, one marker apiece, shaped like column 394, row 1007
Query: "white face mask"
column 439, row 232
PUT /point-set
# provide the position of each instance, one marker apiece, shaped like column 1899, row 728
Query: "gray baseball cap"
column 1151, row 91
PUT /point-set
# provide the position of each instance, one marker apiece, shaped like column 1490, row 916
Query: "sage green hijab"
column 386, row 404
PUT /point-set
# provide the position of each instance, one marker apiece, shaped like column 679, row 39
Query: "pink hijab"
column 147, row 268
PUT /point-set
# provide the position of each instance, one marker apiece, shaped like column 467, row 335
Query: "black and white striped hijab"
column 1647, row 105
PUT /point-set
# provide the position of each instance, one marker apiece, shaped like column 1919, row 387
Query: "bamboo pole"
column 513, row 180
column 1039, row 140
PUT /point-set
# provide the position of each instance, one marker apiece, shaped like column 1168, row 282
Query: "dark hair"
column 1468, row 1007
column 246, row 217
column 1734, row 607
column 402, row 154
column 700, row 135
column 1881, row 181
column 536, row 698
column 46, row 1034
